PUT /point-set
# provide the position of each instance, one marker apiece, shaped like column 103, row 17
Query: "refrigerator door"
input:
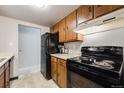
column 44, row 41
column 49, row 45
column 43, row 61
column 53, row 43
column 43, row 54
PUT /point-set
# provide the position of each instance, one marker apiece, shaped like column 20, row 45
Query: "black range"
column 100, row 66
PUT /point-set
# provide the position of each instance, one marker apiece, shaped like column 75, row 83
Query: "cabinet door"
column 54, row 68
column 84, row 13
column 100, row 10
column 115, row 7
column 56, row 28
column 62, row 74
column 2, row 76
column 62, row 31
column 7, row 75
column 71, row 25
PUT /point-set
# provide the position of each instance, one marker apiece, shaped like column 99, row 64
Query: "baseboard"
column 14, row 78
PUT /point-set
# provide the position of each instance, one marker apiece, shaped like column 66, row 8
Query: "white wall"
column 9, row 37
column 107, row 38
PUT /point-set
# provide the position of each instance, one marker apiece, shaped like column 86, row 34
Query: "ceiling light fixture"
column 41, row 6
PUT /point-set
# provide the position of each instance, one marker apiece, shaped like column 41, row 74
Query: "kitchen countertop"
column 66, row 56
column 8, row 56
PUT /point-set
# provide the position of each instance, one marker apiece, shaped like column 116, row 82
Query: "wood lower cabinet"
column 54, row 68
column 7, row 75
column 2, row 77
column 59, row 71
column 62, row 73
column 84, row 13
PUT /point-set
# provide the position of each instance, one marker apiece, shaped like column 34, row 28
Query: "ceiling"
column 46, row 16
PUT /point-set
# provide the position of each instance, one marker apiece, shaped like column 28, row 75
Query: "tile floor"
column 33, row 80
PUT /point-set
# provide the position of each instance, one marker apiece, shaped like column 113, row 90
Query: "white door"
column 29, row 49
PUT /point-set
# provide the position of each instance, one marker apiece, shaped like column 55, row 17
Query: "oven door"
column 78, row 81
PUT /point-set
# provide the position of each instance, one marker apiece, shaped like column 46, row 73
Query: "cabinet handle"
column 90, row 9
column 20, row 50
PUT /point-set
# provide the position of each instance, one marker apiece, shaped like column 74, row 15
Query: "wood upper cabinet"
column 2, row 77
column 62, row 31
column 56, row 28
column 100, row 10
column 71, row 20
column 70, row 26
column 66, row 29
column 62, row 73
column 84, row 13
column 54, row 68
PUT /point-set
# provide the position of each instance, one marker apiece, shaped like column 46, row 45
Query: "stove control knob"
column 94, row 60
column 90, row 59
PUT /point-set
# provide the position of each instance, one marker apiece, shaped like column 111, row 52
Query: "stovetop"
column 98, row 62
column 103, row 64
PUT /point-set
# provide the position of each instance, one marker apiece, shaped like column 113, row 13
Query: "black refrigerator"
column 49, row 45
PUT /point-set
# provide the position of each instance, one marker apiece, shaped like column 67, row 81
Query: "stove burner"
column 90, row 59
column 98, row 62
column 84, row 58
column 105, row 63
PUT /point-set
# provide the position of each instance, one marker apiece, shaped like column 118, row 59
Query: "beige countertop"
column 66, row 56
column 8, row 56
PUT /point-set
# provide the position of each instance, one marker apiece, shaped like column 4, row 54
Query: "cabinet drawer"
column 54, row 59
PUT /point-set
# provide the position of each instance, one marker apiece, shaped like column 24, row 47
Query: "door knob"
column 20, row 50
